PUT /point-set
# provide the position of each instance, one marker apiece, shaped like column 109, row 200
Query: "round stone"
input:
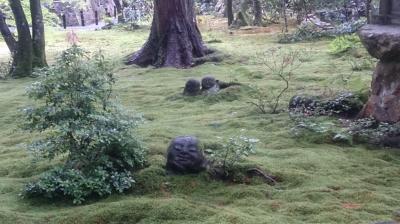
column 192, row 87
column 208, row 82
column 184, row 155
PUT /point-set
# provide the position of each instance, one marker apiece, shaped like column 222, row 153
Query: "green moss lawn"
column 322, row 183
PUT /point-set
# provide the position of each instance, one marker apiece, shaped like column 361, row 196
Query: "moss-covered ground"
column 322, row 183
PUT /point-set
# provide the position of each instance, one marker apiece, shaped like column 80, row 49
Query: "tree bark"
column 23, row 57
column 38, row 38
column 118, row 5
column 285, row 16
column 7, row 35
column 175, row 40
column 257, row 13
column 229, row 12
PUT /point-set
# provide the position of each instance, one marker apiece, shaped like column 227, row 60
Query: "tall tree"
column 175, row 40
column 38, row 41
column 257, row 13
column 23, row 56
column 6, row 33
column 28, row 51
column 229, row 12
column 118, row 5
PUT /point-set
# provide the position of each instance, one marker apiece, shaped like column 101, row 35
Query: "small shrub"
column 73, row 184
column 376, row 133
column 5, row 68
column 343, row 44
column 367, row 131
column 360, row 64
column 78, row 119
column 224, row 160
column 280, row 63
column 312, row 128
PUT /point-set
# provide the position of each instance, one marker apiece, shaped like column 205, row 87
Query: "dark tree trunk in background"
column 23, row 57
column 175, row 40
column 7, row 35
column 257, row 12
column 229, row 12
column 285, row 16
column 368, row 5
column 39, row 52
column 118, row 5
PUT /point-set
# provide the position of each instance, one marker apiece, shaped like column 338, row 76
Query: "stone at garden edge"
column 383, row 42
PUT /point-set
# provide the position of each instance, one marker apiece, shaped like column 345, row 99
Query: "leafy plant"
column 280, row 63
column 360, row 64
column 233, row 150
column 370, row 131
column 343, row 44
column 313, row 128
column 5, row 69
column 76, row 113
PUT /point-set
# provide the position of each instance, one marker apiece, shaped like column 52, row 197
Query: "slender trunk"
column 38, row 39
column 284, row 15
column 7, row 35
column 229, row 11
column 368, row 6
column 257, row 12
column 22, row 59
column 118, row 5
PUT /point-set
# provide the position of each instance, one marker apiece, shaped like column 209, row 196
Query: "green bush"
column 76, row 114
column 343, row 44
column 224, row 159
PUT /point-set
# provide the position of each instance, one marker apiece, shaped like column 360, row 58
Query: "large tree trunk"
column 39, row 52
column 175, row 40
column 7, row 35
column 22, row 59
column 229, row 12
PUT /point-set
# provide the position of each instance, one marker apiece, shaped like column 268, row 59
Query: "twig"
column 258, row 172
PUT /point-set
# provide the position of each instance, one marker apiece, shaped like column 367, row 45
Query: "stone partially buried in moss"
column 192, row 88
column 184, row 156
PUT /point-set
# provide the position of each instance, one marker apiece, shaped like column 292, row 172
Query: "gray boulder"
column 382, row 42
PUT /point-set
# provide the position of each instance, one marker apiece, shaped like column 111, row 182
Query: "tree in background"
column 175, row 40
column 229, row 11
column 38, row 39
column 28, row 51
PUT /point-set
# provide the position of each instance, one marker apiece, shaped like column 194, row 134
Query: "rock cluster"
column 346, row 105
column 208, row 86
column 383, row 43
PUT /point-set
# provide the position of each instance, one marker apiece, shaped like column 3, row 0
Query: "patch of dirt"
column 211, row 23
column 351, row 206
